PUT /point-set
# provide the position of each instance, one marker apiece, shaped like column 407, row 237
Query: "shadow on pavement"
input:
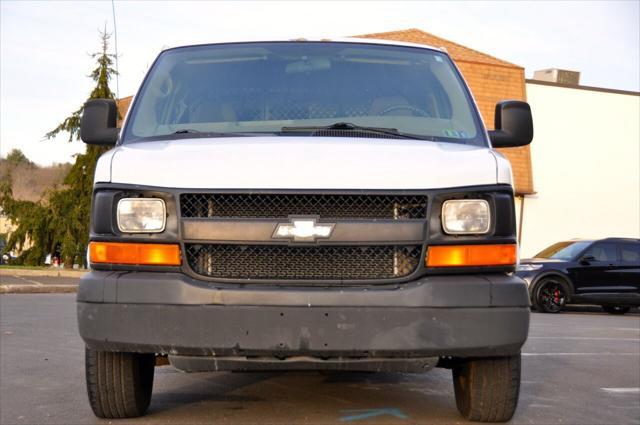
column 596, row 309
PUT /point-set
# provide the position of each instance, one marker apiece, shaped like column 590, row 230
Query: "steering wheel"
column 416, row 111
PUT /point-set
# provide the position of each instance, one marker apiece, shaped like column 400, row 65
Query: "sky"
column 45, row 45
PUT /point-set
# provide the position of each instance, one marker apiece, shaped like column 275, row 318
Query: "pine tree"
column 33, row 219
column 101, row 75
column 62, row 216
column 16, row 157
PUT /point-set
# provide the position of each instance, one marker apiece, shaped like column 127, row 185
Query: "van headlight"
column 141, row 215
column 466, row 216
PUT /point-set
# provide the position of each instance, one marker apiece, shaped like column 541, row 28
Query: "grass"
column 12, row 266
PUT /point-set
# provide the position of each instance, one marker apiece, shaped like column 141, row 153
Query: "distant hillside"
column 31, row 181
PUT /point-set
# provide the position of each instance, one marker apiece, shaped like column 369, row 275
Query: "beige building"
column 6, row 226
column 586, row 165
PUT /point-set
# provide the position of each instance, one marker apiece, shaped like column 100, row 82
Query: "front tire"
column 615, row 309
column 487, row 390
column 119, row 385
column 550, row 295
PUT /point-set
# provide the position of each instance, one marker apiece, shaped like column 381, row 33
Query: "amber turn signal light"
column 472, row 255
column 135, row 253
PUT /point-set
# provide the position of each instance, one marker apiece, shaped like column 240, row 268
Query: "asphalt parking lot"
column 8, row 279
column 579, row 367
column 12, row 281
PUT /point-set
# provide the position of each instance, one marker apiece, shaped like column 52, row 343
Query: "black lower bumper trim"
column 214, row 330
column 254, row 364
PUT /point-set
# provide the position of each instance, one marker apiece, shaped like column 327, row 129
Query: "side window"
column 630, row 252
column 603, row 252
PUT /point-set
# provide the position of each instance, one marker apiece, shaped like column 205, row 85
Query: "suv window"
column 630, row 252
column 603, row 252
column 244, row 88
column 563, row 250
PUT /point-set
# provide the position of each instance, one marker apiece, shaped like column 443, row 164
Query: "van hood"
column 301, row 163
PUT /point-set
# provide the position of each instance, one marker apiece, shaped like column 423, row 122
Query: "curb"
column 43, row 272
column 33, row 289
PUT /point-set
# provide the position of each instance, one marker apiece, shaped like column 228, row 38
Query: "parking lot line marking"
column 587, row 338
column 29, row 280
column 357, row 415
column 581, row 354
column 545, row 327
column 622, row 390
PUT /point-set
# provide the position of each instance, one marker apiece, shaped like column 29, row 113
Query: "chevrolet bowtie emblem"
column 303, row 230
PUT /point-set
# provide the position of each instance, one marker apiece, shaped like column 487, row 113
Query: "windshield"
column 293, row 88
column 563, row 250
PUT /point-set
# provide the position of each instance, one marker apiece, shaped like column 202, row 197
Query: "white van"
column 300, row 205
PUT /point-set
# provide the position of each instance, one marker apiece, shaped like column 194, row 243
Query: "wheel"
column 550, row 295
column 615, row 309
column 416, row 111
column 487, row 390
column 119, row 384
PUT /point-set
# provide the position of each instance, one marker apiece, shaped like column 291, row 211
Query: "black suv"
column 605, row 272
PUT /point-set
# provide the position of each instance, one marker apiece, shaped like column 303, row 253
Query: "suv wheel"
column 487, row 390
column 550, row 296
column 119, row 384
column 615, row 309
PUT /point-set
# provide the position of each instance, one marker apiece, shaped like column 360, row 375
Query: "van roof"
column 327, row 40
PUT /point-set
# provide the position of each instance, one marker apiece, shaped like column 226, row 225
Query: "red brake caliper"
column 556, row 296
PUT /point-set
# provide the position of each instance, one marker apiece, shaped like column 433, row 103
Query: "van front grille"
column 282, row 262
column 281, row 206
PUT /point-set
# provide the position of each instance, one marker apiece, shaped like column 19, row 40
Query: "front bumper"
column 170, row 313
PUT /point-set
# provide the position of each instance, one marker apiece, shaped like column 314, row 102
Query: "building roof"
column 581, row 87
column 458, row 52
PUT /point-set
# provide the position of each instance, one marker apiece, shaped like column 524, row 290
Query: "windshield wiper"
column 186, row 130
column 199, row 133
column 354, row 127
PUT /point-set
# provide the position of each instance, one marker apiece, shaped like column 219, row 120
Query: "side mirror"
column 99, row 119
column 587, row 259
column 513, row 125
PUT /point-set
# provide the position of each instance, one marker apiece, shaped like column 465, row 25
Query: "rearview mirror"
column 308, row 65
column 587, row 259
column 99, row 119
column 513, row 125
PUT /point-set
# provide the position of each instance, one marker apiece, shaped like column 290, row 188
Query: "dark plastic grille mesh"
column 292, row 110
column 280, row 262
column 260, row 205
column 356, row 111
